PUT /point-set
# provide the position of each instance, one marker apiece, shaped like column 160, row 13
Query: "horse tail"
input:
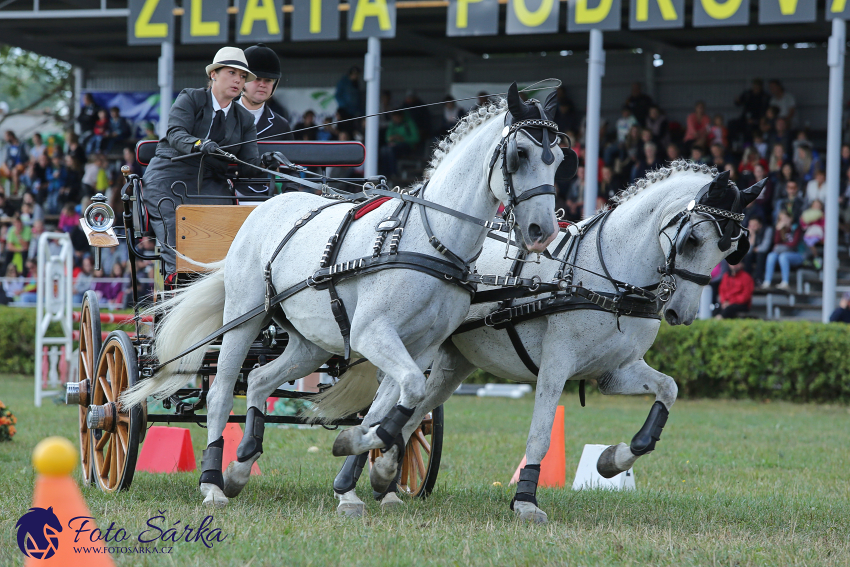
column 189, row 315
column 354, row 392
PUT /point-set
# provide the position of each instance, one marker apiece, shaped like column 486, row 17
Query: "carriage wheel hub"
column 102, row 417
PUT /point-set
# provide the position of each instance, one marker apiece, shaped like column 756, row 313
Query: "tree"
column 29, row 81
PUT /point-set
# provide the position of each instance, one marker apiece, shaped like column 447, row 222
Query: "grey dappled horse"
column 398, row 317
column 649, row 222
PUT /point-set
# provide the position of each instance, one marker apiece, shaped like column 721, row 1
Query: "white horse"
column 639, row 238
column 397, row 318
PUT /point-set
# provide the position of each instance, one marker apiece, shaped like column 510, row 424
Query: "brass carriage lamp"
column 97, row 222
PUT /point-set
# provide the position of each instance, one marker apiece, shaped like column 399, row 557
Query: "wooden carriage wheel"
column 90, row 343
column 115, row 432
column 421, row 461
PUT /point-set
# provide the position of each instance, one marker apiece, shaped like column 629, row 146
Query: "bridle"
column 507, row 149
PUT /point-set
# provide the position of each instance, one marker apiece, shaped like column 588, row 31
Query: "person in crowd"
column 327, row 132
column 656, row 122
column 13, row 287
column 718, row 157
column 782, row 135
column 72, row 189
column 565, row 115
column 305, row 129
column 735, row 293
column 99, row 132
column 816, row 188
column 349, row 99
column 15, row 161
column 37, row 147
column 149, row 132
column 112, row 292
column 265, row 64
column 842, row 312
column 625, row 123
column 7, row 208
column 128, row 158
column 761, row 146
column 56, row 179
column 648, row 162
column 697, row 126
column 18, row 238
column 88, row 116
column 673, row 152
column 75, row 148
column 37, row 211
column 639, row 103
column 806, row 161
column 788, row 251
column 792, row 204
column 452, row 113
column 785, row 174
column 68, row 218
column 53, row 146
column 83, row 279
column 754, row 103
column 761, row 241
column 574, row 196
column 402, row 138
column 812, row 223
column 777, row 158
column 718, row 131
column 763, row 205
column 845, row 157
column 90, row 174
column 482, row 99
column 412, row 106
column 607, row 186
column 117, row 131
column 783, row 100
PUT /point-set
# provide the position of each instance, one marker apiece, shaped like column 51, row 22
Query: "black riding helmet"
column 263, row 62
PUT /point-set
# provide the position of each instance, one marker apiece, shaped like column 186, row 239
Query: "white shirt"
column 785, row 103
column 257, row 113
column 815, row 192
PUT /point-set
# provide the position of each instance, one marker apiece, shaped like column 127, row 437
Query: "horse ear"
column 515, row 104
column 551, row 105
column 718, row 186
column 50, row 509
column 750, row 194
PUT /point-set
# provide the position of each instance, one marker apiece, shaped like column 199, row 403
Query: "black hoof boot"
column 645, row 440
column 252, row 440
column 350, row 472
column 211, row 464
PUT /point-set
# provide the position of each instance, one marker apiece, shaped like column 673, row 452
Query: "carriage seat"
column 205, row 232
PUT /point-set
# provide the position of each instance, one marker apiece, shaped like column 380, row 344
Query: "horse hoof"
column 391, row 503
column 213, row 496
column 348, row 442
column 384, row 470
column 351, row 509
column 528, row 512
column 236, row 476
column 606, row 466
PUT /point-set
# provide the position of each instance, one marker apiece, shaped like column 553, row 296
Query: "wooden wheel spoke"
column 120, row 454
column 124, row 417
column 86, row 367
column 110, row 365
column 107, row 458
column 101, row 443
column 119, row 377
column 123, row 437
column 107, row 390
column 420, row 437
column 420, row 464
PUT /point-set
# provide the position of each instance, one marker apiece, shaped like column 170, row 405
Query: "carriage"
column 110, row 364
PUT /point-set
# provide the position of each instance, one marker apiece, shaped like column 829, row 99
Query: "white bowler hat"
column 231, row 57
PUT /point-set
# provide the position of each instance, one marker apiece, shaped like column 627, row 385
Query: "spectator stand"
column 55, row 266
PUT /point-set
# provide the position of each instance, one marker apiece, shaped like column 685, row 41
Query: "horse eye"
column 521, row 153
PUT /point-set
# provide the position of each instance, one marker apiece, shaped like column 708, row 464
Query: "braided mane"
column 676, row 166
column 463, row 127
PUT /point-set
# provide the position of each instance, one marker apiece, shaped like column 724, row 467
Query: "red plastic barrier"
column 166, row 450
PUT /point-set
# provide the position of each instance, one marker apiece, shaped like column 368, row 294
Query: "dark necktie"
column 217, row 128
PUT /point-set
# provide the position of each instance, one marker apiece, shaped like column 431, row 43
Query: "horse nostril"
column 671, row 317
column 535, row 233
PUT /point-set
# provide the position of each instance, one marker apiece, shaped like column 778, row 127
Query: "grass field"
column 731, row 483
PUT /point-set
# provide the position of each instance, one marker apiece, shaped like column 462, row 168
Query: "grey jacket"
column 189, row 121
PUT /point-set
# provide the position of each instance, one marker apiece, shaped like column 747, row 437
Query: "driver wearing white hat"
column 200, row 122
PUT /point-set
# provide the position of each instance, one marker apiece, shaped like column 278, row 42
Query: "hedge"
column 788, row 360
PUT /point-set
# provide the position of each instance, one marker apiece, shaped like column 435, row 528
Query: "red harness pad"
column 564, row 224
column 368, row 208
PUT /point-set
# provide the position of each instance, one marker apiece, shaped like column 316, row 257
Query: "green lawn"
column 731, row 483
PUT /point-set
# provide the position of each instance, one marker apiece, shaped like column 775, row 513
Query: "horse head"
column 528, row 155
column 700, row 237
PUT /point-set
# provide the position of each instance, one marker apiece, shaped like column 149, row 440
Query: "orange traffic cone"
column 232, row 437
column 553, row 468
column 44, row 535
